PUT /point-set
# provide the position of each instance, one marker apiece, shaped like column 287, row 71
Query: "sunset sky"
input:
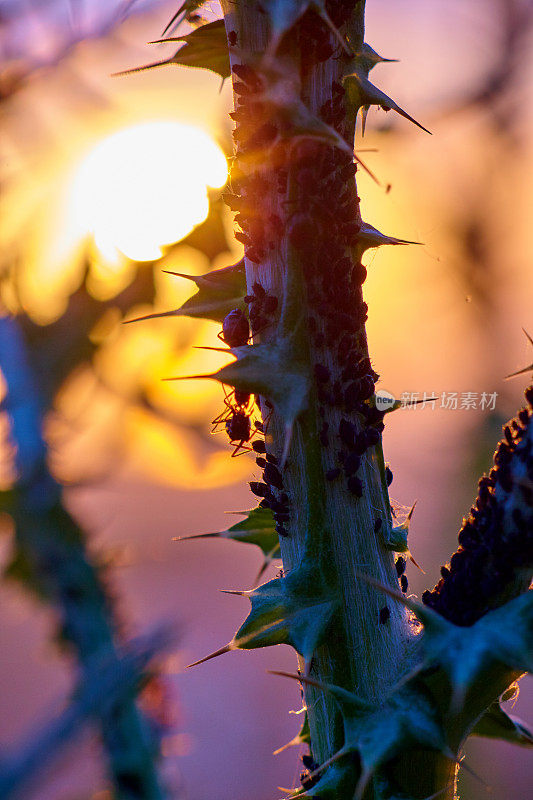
column 132, row 160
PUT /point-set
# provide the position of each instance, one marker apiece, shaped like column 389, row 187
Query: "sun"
column 145, row 187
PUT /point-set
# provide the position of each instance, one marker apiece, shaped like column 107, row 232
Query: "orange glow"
column 166, row 454
column 145, row 187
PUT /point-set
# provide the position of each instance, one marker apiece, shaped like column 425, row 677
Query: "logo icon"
column 384, row 400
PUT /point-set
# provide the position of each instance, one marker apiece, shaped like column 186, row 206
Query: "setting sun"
column 145, row 187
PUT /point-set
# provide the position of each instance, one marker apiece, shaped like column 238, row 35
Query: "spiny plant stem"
column 328, row 524
column 389, row 702
column 50, row 559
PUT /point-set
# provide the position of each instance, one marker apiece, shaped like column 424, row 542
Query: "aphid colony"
column 319, row 216
column 240, row 416
column 322, row 224
column 492, row 547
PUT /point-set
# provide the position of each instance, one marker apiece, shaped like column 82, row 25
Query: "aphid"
column 303, row 234
column 384, row 614
column 270, row 304
column 235, row 329
column 232, row 38
column 377, row 524
column 404, row 583
column 366, row 387
column 273, row 477
column 309, row 763
column 247, row 74
column 260, row 489
column 245, row 240
column 372, row 436
column 352, row 462
column 351, row 395
column 241, row 89
column 355, row 486
column 523, row 416
column 359, row 274
column 347, row 433
column 344, row 348
column 400, row 565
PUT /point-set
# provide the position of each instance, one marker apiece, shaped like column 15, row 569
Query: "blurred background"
column 107, row 182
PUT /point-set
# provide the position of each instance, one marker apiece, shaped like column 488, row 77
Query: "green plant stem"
column 330, row 525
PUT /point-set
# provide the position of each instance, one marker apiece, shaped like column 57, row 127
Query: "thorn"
column 410, row 675
column 266, row 563
column 174, row 18
column 299, row 678
column 460, row 763
column 362, row 784
column 424, row 613
column 214, row 349
column 370, row 94
column 168, row 39
column 407, row 521
column 292, row 743
column 412, row 560
column 410, row 514
column 364, row 115
column 366, row 169
column 180, row 275
column 446, row 751
column 226, row 649
column 325, row 764
column 196, row 536
column 189, row 377
column 234, row 591
column 335, row 31
column 520, row 372
column 151, row 316
column 458, row 698
column 404, row 114
column 133, row 70
column 286, row 445
column 526, row 369
column 441, row 791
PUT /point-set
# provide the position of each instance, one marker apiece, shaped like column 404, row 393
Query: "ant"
column 234, row 401
column 239, row 430
column 236, row 419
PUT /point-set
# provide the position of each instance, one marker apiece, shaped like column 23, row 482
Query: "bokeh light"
column 145, row 187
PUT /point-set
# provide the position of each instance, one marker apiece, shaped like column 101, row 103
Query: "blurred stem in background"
column 51, row 560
